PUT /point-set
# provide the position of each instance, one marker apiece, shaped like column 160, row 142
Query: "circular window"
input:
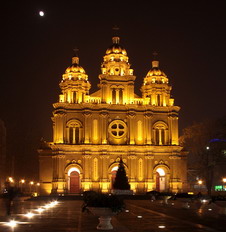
column 117, row 128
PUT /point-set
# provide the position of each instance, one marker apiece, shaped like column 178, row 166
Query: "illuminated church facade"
column 92, row 132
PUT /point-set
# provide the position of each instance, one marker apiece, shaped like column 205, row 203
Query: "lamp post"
column 31, row 183
column 22, row 181
column 200, row 182
column 37, row 187
column 11, row 180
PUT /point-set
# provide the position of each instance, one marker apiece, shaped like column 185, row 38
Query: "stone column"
column 80, row 135
column 147, row 128
column 160, row 136
column 86, row 167
column 87, row 127
column 131, row 117
column 104, row 116
column 60, row 180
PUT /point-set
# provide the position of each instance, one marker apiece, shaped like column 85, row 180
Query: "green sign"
column 220, row 187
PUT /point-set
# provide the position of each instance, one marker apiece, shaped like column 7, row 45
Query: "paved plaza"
column 139, row 216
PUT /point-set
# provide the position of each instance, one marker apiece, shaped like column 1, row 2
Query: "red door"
column 157, row 182
column 74, row 182
column 113, row 175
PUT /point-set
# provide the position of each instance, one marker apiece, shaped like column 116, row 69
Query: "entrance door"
column 157, row 182
column 74, row 182
column 160, row 180
column 113, row 175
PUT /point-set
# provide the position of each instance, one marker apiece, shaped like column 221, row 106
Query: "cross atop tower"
column 76, row 50
column 115, row 29
column 75, row 59
column 155, row 54
column 155, row 62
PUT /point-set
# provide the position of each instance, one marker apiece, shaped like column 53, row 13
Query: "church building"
column 93, row 131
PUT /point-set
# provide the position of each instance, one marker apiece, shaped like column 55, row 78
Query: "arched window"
column 160, row 133
column 113, row 96
column 74, row 132
column 121, row 96
column 74, row 97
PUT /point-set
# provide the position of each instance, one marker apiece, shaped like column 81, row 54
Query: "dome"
column 75, row 67
column 155, row 71
column 116, row 48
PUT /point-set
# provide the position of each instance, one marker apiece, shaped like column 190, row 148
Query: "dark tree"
column 206, row 143
column 121, row 180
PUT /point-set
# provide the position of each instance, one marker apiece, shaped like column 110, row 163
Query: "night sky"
column 189, row 36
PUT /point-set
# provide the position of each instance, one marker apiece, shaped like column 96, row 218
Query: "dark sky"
column 189, row 36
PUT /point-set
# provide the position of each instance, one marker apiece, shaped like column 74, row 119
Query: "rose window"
column 117, row 128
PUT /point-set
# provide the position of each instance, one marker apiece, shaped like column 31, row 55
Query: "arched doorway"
column 160, row 180
column 74, row 180
column 113, row 175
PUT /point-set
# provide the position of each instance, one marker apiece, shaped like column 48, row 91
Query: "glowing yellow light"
column 200, row 182
column 161, row 227
column 38, row 184
column 32, row 182
column 190, row 193
column 40, row 210
column 22, row 181
column 29, row 215
column 12, row 223
column 224, row 180
column 11, row 179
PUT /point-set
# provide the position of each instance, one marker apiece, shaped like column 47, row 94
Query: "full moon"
column 41, row 13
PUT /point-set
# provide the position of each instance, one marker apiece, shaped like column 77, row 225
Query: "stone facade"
column 91, row 132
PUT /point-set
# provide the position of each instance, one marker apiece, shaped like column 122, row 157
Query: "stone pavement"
column 140, row 216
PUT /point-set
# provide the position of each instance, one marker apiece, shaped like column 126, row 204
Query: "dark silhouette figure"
column 8, row 196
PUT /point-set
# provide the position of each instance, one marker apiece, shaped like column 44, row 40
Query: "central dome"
column 116, row 48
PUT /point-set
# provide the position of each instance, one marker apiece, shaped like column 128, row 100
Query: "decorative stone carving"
column 149, row 157
column 174, row 157
column 131, row 114
column 132, row 156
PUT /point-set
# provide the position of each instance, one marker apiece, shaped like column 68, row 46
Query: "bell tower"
column 156, row 87
column 74, row 85
column 116, row 78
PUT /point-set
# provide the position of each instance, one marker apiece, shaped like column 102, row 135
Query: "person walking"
column 8, row 196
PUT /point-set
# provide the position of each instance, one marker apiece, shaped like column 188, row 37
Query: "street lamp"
column 11, row 180
column 31, row 183
column 224, row 180
column 200, row 182
column 22, row 181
